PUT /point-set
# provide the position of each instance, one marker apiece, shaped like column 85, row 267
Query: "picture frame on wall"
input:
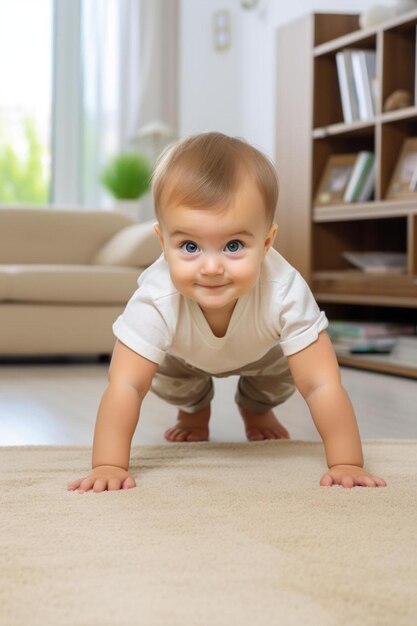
column 403, row 183
column 334, row 180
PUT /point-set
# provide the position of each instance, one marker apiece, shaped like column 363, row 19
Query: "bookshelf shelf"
column 364, row 210
column 401, row 114
column 355, row 128
column 365, row 126
column 360, row 299
column 310, row 130
column 366, row 39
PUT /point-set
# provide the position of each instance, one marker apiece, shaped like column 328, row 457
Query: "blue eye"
column 234, row 246
column 189, row 247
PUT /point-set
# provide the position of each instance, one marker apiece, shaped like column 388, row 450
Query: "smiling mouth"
column 212, row 286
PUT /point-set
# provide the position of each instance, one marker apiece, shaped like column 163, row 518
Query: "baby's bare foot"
column 260, row 426
column 190, row 426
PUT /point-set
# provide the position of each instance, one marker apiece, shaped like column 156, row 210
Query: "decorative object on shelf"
column 335, row 179
column 378, row 262
column 128, row 177
column 399, row 99
column 403, row 183
column 381, row 12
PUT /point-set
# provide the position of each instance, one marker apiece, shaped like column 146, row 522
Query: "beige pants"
column 262, row 385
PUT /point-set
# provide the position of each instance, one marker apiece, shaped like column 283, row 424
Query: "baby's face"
column 215, row 255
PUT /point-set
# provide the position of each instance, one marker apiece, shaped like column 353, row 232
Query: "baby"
column 221, row 301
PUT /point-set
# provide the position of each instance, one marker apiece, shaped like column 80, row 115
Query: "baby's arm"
column 317, row 376
column 130, row 376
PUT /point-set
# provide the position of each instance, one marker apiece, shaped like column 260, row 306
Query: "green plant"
column 23, row 179
column 128, row 176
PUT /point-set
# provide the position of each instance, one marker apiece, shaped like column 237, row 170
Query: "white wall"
column 234, row 91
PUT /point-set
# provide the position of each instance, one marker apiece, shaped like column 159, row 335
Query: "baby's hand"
column 349, row 476
column 104, row 477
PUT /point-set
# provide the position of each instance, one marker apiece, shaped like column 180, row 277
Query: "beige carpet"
column 214, row 534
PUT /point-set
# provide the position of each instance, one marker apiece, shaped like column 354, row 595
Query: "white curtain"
column 159, row 62
column 127, row 77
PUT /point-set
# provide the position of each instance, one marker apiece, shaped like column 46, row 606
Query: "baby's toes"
column 182, row 435
column 177, row 434
column 270, row 434
column 170, row 434
column 254, row 434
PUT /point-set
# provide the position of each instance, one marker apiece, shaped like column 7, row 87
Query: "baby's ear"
column 270, row 237
column 158, row 233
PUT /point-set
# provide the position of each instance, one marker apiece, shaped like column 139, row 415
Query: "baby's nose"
column 212, row 264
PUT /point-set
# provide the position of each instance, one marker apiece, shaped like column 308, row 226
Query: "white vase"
column 132, row 208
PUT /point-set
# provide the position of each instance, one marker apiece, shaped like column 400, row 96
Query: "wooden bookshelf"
column 310, row 128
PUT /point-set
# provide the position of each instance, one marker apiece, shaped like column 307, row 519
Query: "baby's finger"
column 326, row 480
column 347, row 482
column 380, row 482
column 74, row 485
column 114, row 484
column 369, row 481
column 129, row 483
column 86, row 484
column 100, row 485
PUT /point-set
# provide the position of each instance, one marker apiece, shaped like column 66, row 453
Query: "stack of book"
column 356, row 70
column 361, row 182
column 367, row 337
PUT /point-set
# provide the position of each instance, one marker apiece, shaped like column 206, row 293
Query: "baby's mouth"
column 212, row 286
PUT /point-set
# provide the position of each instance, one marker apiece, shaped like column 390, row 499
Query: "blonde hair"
column 205, row 170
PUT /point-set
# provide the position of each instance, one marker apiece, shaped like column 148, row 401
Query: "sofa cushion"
column 75, row 284
column 52, row 235
column 134, row 246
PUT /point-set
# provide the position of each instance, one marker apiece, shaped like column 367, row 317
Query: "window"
column 25, row 100
column 78, row 79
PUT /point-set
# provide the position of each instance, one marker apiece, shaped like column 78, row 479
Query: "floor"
column 55, row 403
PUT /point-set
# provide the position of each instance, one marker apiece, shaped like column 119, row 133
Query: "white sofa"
column 65, row 276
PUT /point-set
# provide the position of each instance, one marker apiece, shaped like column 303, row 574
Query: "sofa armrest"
column 134, row 246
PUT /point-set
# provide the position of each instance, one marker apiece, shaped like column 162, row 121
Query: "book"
column 363, row 164
column 367, row 337
column 366, row 330
column 383, row 345
column 403, row 354
column 347, row 90
column 368, row 186
column 364, row 74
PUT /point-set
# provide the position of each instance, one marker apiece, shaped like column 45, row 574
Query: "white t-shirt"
column 279, row 309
